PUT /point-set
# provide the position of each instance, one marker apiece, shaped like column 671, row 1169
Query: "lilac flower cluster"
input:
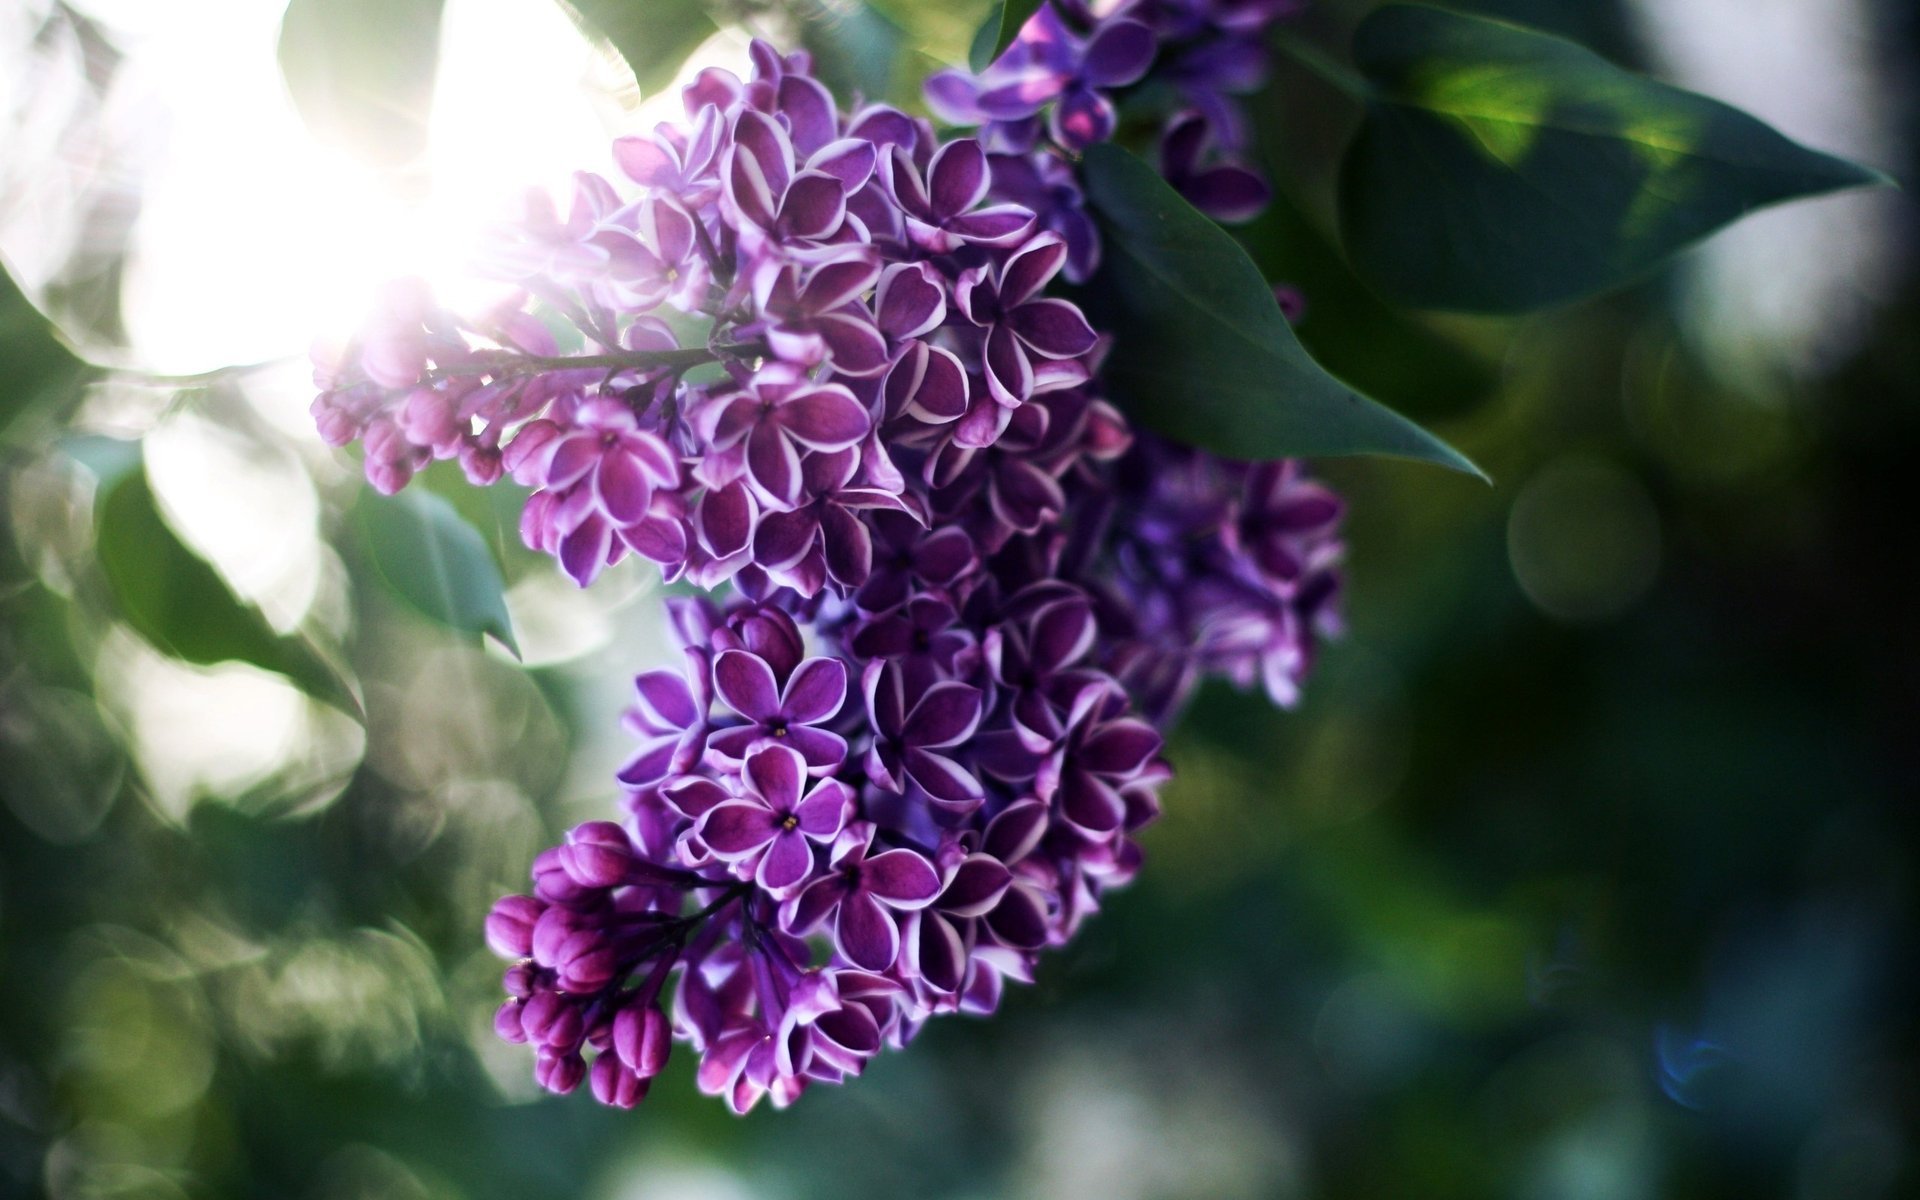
column 813, row 354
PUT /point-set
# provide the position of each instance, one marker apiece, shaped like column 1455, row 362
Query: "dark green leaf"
column 1201, row 351
column 173, row 598
column 1499, row 169
column 1005, row 25
column 435, row 562
column 361, row 72
column 654, row 37
column 39, row 367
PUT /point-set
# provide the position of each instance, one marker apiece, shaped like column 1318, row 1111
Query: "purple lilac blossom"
column 909, row 748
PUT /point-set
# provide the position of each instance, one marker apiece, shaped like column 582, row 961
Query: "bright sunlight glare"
column 255, row 237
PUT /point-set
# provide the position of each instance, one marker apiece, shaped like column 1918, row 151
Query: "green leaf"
column 855, row 46
column 435, row 562
column 654, row 37
column 1500, row 170
column 176, row 600
column 1201, row 351
column 1005, row 26
column 40, row 369
column 361, row 72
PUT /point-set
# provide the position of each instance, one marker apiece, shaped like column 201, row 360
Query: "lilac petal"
column 910, row 300
column 1054, row 328
column 737, row 828
column 823, row 814
column 1026, row 497
column 571, row 458
column 999, row 225
column 865, row 933
column 1013, row 834
column 625, row 491
column 945, row 781
column 976, row 886
column 1009, row 370
column 902, row 878
column 1227, row 193
column 1031, row 268
column 928, row 383
column 749, row 189
column 808, row 108
column 838, row 282
column 935, row 951
column 946, row 714
column 814, row 205
column 902, row 182
column 665, row 700
column 1015, row 96
column 773, row 462
column 823, row 750
column 1090, row 804
column 737, row 742
column 725, row 520
column 944, row 555
column 764, row 141
column 695, row 796
column 1308, row 509
column 848, row 544
column 1119, row 748
column 854, row 345
column 776, row 774
column 651, row 764
column 954, row 97
column 803, row 914
column 584, row 551
column 787, row 861
column 1118, row 54
column 850, row 160
column 659, row 538
column 745, row 684
column 815, row 692
column 852, row 1028
column 646, row 161
column 825, row 418
column 1020, row 919
column 1082, row 118
column 1062, row 633
column 957, row 178
column 783, row 539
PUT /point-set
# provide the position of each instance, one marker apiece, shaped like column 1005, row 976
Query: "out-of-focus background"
column 1585, row 870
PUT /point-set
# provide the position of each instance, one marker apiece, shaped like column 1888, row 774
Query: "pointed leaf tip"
column 1201, row 351
column 1499, row 169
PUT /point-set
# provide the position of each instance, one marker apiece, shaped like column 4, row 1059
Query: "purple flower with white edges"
column 861, row 892
column 1048, row 64
column 911, row 729
column 775, row 818
column 908, row 556
column 779, row 416
column 939, row 938
column 942, row 210
column 1030, row 339
column 788, row 716
column 785, row 202
column 826, row 537
column 813, row 314
column 679, row 161
column 598, row 482
column 671, row 721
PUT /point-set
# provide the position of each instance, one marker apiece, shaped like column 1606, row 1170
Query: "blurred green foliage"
column 1585, row 870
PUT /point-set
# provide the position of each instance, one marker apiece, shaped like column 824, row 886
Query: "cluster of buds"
column 812, row 357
